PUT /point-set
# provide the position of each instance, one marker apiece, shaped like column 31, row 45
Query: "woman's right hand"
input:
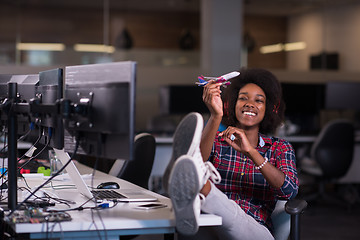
column 212, row 98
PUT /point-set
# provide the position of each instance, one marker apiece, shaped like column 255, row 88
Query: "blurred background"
column 305, row 43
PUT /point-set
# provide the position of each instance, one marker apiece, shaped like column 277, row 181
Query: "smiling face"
column 250, row 106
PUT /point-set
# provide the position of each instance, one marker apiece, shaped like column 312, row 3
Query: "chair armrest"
column 295, row 206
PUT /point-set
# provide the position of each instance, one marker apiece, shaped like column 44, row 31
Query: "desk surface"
column 124, row 219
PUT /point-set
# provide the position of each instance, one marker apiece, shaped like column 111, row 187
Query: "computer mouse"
column 108, row 185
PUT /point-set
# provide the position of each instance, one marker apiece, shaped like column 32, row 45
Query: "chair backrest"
column 334, row 148
column 139, row 169
column 281, row 221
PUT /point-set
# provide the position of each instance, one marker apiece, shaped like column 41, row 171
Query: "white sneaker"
column 186, row 173
column 186, row 141
column 187, row 177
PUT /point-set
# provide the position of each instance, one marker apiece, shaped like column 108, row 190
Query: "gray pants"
column 236, row 224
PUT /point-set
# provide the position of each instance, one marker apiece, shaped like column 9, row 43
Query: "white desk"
column 124, row 219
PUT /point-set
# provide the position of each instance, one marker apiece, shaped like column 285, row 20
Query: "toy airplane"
column 224, row 79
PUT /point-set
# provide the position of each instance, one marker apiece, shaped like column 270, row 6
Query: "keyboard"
column 107, row 194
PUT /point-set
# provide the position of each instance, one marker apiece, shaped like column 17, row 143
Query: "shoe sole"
column 185, row 141
column 183, row 190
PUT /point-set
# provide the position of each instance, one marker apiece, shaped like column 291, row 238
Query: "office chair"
column 139, row 169
column 330, row 157
column 286, row 218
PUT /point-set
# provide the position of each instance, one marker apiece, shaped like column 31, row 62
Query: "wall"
column 150, row 30
column 266, row 31
column 331, row 30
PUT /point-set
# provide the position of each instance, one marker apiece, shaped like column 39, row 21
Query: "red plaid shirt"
column 245, row 185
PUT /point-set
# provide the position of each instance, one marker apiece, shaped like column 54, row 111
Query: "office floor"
column 326, row 221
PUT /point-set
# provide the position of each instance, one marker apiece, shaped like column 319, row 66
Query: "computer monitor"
column 102, row 115
column 304, row 101
column 181, row 99
column 49, row 92
column 4, row 79
column 342, row 96
column 26, row 85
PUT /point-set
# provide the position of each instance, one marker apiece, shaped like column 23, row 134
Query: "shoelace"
column 202, row 197
column 212, row 173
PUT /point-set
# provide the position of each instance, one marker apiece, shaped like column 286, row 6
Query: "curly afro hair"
column 275, row 106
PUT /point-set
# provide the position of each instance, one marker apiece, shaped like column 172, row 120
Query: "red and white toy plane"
column 224, row 79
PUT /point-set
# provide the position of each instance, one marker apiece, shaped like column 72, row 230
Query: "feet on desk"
column 188, row 174
column 186, row 141
column 187, row 177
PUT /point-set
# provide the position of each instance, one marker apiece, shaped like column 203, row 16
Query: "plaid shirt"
column 247, row 186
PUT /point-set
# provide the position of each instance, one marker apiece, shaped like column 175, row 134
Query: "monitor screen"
column 182, row 99
column 303, row 98
column 103, row 109
column 303, row 105
column 342, row 96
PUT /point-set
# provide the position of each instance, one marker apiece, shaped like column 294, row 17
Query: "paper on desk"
column 66, row 176
column 61, row 177
column 33, row 175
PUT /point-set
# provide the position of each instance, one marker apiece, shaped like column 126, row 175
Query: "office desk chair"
column 330, row 157
column 286, row 219
column 139, row 169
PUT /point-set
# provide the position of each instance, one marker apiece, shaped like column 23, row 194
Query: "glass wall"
column 38, row 33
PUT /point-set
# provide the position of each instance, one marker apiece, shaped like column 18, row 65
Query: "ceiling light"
column 272, row 48
column 294, row 46
column 40, row 46
column 94, row 48
column 282, row 47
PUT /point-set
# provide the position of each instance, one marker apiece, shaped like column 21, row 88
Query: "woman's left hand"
column 241, row 143
column 237, row 139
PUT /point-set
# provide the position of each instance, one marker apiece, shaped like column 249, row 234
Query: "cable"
column 21, row 137
column 32, row 126
column 5, row 147
column 98, row 154
column 36, row 142
column 29, row 160
column 48, row 180
column 33, row 157
column 5, row 170
column 81, row 208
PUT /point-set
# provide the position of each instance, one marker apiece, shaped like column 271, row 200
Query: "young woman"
column 256, row 170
